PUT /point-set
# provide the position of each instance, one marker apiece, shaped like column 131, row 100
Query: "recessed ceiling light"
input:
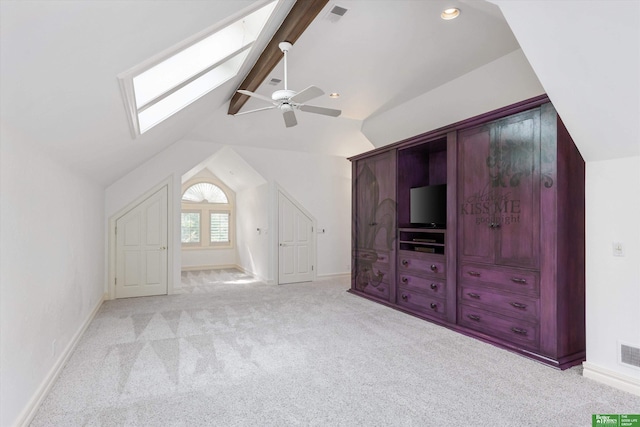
column 334, row 95
column 451, row 13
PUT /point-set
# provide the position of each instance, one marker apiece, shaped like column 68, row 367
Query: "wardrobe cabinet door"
column 499, row 188
column 374, row 220
column 514, row 164
column 477, row 237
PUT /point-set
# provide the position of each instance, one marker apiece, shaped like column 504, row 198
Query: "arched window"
column 205, row 192
column 207, row 215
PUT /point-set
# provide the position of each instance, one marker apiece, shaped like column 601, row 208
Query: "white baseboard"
column 257, row 276
column 27, row 414
column 611, row 378
column 208, row 267
column 334, row 275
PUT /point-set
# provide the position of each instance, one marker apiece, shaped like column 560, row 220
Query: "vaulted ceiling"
column 59, row 62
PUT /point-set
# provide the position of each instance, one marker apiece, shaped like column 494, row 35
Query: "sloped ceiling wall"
column 502, row 82
column 59, row 62
column 587, row 56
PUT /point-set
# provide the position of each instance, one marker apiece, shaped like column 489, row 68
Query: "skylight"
column 154, row 93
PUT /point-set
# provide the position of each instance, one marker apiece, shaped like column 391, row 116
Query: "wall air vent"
column 630, row 355
column 336, row 13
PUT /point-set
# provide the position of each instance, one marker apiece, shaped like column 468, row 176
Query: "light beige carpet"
column 231, row 351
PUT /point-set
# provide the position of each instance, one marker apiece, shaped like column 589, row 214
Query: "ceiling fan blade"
column 320, row 110
column 289, row 118
column 253, row 111
column 256, row 95
column 306, row 94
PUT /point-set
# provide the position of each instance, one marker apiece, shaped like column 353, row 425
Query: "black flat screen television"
column 429, row 206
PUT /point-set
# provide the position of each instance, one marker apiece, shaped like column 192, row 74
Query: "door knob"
column 162, row 248
column 283, row 244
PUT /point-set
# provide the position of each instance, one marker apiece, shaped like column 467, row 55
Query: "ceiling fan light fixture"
column 450, row 13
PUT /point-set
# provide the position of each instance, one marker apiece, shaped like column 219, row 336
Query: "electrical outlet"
column 618, row 249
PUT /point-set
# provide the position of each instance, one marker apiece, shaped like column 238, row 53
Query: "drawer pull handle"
column 434, row 286
column 404, row 262
column 474, row 317
column 472, row 295
column 381, row 258
column 519, row 305
column 474, row 274
column 404, row 279
column 519, row 331
column 433, row 306
column 404, row 296
column 373, row 224
column 434, row 267
column 518, row 280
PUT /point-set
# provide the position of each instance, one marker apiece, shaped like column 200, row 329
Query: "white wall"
column 52, row 274
column 172, row 162
column 505, row 81
column 254, row 251
column 322, row 185
column 208, row 258
column 613, row 283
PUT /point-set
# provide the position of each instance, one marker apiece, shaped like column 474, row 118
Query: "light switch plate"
column 618, row 250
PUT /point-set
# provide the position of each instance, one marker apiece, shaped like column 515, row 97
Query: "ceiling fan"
column 288, row 100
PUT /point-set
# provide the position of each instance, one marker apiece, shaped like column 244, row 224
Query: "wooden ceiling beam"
column 299, row 18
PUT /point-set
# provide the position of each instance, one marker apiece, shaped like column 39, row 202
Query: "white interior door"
column 141, row 248
column 295, row 243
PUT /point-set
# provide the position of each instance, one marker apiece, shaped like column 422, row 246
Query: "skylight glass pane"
column 191, row 92
column 204, row 191
column 200, row 56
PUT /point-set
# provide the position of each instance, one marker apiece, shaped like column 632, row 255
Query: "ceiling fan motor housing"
column 282, row 95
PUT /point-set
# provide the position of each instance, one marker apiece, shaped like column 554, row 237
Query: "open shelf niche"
column 422, row 240
column 418, row 166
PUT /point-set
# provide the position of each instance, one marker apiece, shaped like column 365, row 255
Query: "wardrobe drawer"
column 421, row 303
column 514, row 330
column 514, row 280
column 516, row 305
column 429, row 285
column 378, row 290
column 433, row 265
column 373, row 279
column 373, row 256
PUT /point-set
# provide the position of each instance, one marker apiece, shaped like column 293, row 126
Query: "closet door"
column 374, row 225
